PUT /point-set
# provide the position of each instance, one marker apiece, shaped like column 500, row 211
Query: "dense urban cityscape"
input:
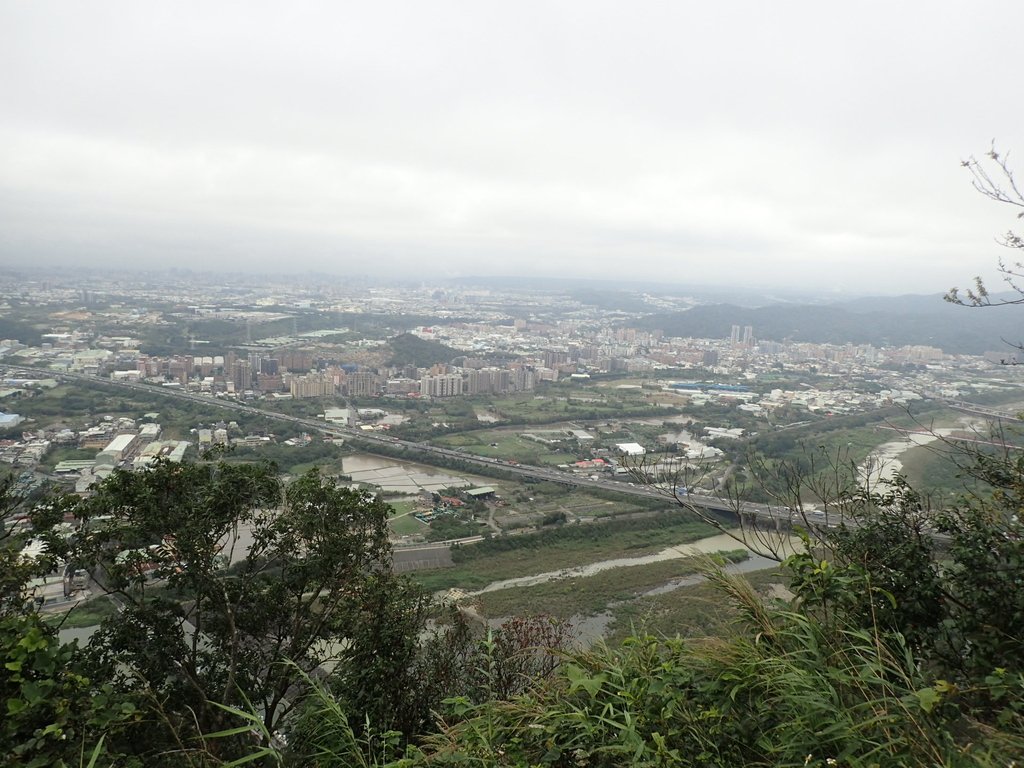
column 483, row 345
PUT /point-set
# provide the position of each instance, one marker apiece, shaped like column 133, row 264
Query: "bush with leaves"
column 309, row 588
column 51, row 712
column 947, row 581
column 786, row 689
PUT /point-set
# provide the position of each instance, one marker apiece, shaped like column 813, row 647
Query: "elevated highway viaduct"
column 411, row 450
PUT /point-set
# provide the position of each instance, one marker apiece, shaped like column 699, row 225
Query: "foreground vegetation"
column 308, row 651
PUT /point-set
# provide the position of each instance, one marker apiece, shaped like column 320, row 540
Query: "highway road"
column 983, row 410
column 412, row 449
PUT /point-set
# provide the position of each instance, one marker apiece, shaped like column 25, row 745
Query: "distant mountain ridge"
column 912, row 303
column 629, row 289
column 909, row 319
column 895, row 321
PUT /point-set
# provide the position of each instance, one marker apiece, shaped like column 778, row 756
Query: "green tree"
column 232, row 589
column 51, row 713
column 20, row 523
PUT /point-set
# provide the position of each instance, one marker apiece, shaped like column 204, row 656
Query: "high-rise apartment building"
column 362, row 384
column 241, row 375
column 523, row 378
column 478, row 382
column 441, row 385
column 401, row 386
column 312, row 385
column 295, row 359
column 554, row 358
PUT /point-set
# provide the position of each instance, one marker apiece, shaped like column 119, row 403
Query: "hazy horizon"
column 792, row 146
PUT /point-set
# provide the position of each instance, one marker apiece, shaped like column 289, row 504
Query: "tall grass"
column 784, row 688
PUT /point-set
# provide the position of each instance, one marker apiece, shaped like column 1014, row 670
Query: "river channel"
column 883, row 463
column 590, row 629
column 718, row 543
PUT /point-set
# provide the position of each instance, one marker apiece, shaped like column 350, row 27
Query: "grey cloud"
column 787, row 143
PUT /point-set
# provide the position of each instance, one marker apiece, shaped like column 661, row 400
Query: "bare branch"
column 764, row 529
column 1001, row 186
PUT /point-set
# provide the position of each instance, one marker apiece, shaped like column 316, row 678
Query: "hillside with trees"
column 408, row 349
column 881, row 322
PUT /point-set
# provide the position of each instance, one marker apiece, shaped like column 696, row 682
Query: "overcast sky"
column 809, row 144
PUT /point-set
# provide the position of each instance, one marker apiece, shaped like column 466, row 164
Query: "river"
column 719, row 543
column 883, row 463
column 590, row 629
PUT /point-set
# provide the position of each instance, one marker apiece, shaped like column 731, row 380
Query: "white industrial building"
column 630, row 449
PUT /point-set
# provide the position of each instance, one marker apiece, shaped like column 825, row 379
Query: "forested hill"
column 408, row 349
column 897, row 321
column 24, row 332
